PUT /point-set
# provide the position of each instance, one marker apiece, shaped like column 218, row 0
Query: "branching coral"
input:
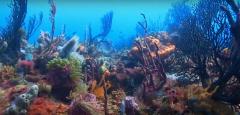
column 233, row 68
column 93, row 43
column 33, row 24
column 148, row 51
column 159, row 44
column 106, row 25
column 143, row 25
column 48, row 48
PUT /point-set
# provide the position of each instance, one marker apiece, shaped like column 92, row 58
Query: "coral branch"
column 53, row 11
column 144, row 24
column 34, row 24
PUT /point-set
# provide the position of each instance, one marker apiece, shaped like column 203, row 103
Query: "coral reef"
column 45, row 106
column 22, row 102
column 161, row 72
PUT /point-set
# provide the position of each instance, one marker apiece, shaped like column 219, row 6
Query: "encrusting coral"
column 45, row 106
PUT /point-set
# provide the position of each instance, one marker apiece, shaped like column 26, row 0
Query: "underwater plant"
column 64, row 76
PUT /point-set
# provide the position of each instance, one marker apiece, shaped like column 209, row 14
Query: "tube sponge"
column 22, row 102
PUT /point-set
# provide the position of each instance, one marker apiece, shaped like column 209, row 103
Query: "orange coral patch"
column 44, row 106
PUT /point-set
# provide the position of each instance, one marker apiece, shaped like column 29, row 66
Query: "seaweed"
column 65, row 77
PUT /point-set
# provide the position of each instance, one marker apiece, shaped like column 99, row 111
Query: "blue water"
column 77, row 14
